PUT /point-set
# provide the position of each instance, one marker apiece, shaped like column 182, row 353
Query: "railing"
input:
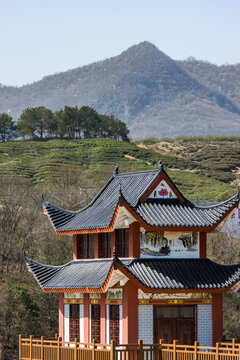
column 55, row 349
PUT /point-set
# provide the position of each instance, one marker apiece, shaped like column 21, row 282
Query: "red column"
column 130, row 314
column 61, row 316
column 217, row 318
column 96, row 246
column 202, row 245
column 86, row 318
column 103, row 319
column 134, row 240
column 74, row 247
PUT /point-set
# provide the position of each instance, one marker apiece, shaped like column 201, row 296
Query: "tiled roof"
column 156, row 212
column 185, row 214
column 99, row 213
column 183, row 273
column 75, row 274
column 153, row 273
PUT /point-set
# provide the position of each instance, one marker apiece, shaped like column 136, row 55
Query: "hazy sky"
column 42, row 37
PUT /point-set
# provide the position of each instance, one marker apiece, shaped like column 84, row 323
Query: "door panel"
column 185, row 331
column 164, row 329
column 174, row 323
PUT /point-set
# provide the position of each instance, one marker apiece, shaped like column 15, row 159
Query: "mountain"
column 152, row 93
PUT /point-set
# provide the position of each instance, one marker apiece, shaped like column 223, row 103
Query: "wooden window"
column 85, row 246
column 104, row 245
column 114, row 323
column 95, row 323
column 122, row 242
column 74, row 331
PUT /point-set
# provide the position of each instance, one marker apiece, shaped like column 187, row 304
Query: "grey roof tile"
column 153, row 273
column 156, row 212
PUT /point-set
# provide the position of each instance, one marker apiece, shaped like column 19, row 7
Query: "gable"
column 162, row 188
column 163, row 191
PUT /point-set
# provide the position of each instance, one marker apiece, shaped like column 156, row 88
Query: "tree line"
column 38, row 123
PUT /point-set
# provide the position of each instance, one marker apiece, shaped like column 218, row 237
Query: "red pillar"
column 61, row 316
column 134, row 240
column 130, row 314
column 96, row 246
column 217, row 318
column 74, row 247
column 202, row 245
column 86, row 318
column 103, row 319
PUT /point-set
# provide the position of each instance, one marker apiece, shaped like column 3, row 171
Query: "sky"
column 43, row 37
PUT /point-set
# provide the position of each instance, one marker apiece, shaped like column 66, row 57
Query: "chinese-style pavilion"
column 139, row 268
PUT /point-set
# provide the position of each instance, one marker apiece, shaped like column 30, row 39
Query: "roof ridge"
column 31, row 261
column 136, row 172
column 46, row 203
column 235, row 196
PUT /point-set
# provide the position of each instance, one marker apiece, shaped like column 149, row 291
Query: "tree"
column 7, row 128
column 33, row 122
column 91, row 122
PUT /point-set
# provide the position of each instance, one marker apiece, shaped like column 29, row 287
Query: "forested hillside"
column 69, row 174
column 144, row 88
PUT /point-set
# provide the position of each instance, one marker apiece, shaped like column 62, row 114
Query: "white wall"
column 66, row 322
column 81, row 322
column 204, row 325
column 120, row 325
column 107, row 324
column 145, row 323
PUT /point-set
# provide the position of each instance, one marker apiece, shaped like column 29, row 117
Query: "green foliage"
column 70, row 123
column 34, row 121
column 7, row 128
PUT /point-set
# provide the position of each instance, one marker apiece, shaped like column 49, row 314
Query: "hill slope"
column 89, row 163
column 142, row 86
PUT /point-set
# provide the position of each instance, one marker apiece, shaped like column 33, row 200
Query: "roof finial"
column 120, row 198
column 115, row 172
column 160, row 165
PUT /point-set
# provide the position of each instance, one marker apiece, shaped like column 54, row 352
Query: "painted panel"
column 204, row 325
column 169, row 244
column 232, row 224
column 66, row 322
column 194, row 296
column 163, row 191
column 114, row 294
column 73, row 296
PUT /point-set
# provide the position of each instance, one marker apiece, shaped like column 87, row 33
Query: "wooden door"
column 164, row 329
column 185, row 331
column 174, row 323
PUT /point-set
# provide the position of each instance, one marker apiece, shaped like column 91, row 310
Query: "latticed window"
column 104, row 245
column 85, row 246
column 95, row 323
column 114, row 323
column 122, row 242
column 74, row 331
